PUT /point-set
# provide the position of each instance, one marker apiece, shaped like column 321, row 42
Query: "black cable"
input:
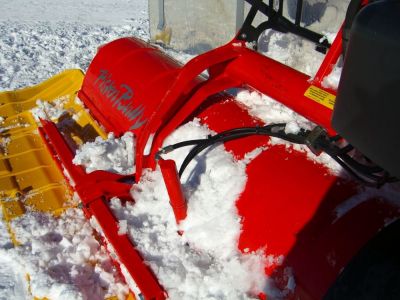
column 170, row 148
column 358, row 166
column 274, row 130
column 353, row 173
column 317, row 140
column 199, row 148
column 334, row 151
column 363, row 173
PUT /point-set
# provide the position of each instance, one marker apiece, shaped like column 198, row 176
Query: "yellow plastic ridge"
column 28, row 175
column 29, row 178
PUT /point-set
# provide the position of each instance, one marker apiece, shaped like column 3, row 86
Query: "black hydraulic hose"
column 345, row 149
column 170, row 148
column 356, row 165
column 199, row 148
column 239, row 133
column 369, row 175
column 362, row 173
column 372, row 183
column 342, row 153
column 356, row 169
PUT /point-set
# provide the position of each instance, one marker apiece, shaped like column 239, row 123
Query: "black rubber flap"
column 367, row 109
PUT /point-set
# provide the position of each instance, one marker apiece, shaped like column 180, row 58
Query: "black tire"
column 375, row 271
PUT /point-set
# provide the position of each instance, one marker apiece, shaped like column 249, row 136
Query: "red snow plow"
column 325, row 227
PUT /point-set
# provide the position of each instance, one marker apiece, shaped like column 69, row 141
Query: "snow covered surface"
column 39, row 39
column 49, row 110
column 203, row 263
column 62, row 255
column 332, row 80
column 271, row 111
column 90, row 12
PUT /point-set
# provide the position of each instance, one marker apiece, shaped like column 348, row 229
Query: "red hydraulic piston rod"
column 174, row 189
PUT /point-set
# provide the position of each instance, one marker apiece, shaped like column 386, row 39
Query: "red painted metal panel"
column 289, row 207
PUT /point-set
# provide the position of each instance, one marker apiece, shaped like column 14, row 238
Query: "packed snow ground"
column 39, row 39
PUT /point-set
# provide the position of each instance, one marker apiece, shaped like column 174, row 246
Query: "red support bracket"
column 95, row 189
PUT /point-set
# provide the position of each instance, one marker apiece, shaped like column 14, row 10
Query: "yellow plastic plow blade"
column 66, row 83
column 28, row 175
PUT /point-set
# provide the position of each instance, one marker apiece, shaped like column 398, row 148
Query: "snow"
column 114, row 154
column 62, row 258
column 291, row 50
column 204, row 261
column 332, row 80
column 10, row 280
column 122, row 227
column 90, row 12
column 212, row 224
column 49, row 110
column 271, row 111
column 12, row 283
column 5, row 240
column 39, row 39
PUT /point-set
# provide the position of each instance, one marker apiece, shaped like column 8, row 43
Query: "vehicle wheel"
column 374, row 273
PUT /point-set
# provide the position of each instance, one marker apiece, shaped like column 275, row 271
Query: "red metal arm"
column 229, row 66
column 181, row 90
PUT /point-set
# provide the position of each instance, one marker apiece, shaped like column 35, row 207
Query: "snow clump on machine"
column 114, row 154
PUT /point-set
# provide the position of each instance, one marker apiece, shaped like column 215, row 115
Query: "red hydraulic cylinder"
column 174, row 189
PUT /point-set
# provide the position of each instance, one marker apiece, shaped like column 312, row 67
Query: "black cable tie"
column 158, row 155
column 314, row 138
column 167, row 149
column 276, row 128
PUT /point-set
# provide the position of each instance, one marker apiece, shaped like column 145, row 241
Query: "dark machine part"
column 367, row 107
column 374, row 273
column 352, row 10
column 276, row 21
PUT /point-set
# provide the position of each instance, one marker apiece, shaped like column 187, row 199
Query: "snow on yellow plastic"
column 29, row 177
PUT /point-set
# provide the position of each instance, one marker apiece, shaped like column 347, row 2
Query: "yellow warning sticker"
column 319, row 95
